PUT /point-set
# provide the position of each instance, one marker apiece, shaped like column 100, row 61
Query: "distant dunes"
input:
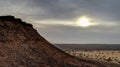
column 89, row 46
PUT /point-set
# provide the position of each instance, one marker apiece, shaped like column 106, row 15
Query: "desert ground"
column 112, row 56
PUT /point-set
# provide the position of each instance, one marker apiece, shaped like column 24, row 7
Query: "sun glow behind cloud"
column 85, row 22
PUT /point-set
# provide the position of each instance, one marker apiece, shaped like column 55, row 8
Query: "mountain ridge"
column 22, row 46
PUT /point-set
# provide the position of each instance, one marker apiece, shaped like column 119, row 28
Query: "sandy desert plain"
column 112, row 56
column 102, row 52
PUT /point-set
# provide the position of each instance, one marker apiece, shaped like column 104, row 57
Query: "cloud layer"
column 55, row 19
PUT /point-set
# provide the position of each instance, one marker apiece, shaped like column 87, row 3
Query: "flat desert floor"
column 112, row 56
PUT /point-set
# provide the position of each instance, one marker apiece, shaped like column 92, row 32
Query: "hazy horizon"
column 69, row 21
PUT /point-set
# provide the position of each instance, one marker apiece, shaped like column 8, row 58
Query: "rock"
column 22, row 46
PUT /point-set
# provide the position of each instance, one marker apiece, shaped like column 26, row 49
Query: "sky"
column 57, row 20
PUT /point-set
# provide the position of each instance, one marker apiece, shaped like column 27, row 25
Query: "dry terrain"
column 112, row 56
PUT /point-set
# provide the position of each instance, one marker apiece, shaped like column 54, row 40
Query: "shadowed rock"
column 22, row 46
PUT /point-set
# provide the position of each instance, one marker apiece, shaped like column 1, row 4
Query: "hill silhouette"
column 22, row 46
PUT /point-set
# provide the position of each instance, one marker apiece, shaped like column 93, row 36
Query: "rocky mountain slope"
column 22, row 46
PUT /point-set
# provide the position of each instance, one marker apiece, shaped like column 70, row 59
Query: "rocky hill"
column 22, row 46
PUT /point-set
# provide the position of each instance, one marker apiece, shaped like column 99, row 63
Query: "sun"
column 83, row 21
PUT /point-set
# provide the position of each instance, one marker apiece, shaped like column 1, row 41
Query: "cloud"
column 57, row 17
column 62, row 9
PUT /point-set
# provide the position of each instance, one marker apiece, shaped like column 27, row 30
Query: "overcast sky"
column 56, row 19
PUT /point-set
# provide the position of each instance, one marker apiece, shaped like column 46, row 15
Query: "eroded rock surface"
column 22, row 46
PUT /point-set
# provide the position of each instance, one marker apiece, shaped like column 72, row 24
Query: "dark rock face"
column 22, row 46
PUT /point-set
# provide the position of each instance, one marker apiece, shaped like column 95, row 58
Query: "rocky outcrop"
column 22, row 46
